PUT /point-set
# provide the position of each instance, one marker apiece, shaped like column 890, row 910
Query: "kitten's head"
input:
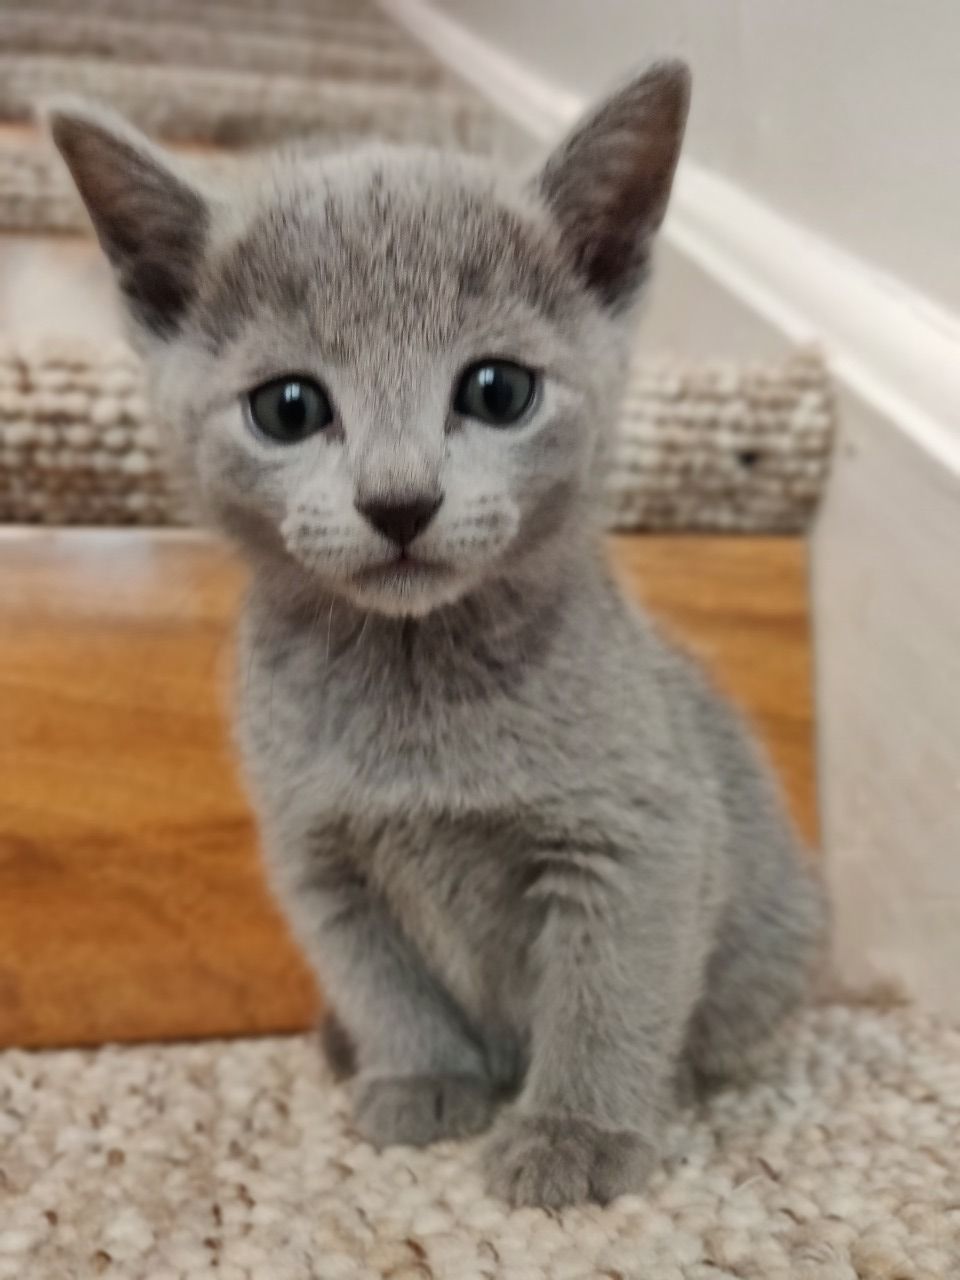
column 393, row 371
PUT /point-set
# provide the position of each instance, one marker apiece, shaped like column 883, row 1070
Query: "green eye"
column 290, row 408
column 496, row 392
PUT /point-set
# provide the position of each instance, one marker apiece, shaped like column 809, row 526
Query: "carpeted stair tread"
column 137, row 40
column 237, row 1160
column 213, row 105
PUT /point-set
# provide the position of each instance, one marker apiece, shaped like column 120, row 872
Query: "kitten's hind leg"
column 338, row 1049
column 760, row 972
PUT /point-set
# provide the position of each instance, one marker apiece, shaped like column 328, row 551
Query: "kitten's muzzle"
column 401, row 522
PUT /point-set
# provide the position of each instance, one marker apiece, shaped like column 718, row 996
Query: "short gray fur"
column 537, row 863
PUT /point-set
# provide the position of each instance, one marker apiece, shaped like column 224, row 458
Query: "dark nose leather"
column 401, row 521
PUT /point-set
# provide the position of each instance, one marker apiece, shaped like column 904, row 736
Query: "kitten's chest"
column 381, row 739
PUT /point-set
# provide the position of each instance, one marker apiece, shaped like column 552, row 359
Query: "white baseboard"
column 886, row 549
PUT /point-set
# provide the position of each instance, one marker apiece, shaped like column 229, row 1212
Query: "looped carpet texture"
column 708, row 446
column 226, row 74
column 235, row 1161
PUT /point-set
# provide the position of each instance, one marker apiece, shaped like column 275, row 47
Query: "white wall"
column 886, row 609
column 842, row 114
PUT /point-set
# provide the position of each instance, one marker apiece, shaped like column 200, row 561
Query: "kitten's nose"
column 401, row 521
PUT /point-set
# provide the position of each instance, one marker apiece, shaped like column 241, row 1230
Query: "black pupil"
column 292, row 407
column 497, row 391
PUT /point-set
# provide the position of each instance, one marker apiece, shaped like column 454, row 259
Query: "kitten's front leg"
column 420, row 1073
column 616, row 971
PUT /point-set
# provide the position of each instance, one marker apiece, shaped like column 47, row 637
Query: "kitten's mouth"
column 406, row 585
column 401, row 568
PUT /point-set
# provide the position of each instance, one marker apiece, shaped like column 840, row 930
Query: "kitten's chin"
column 405, row 589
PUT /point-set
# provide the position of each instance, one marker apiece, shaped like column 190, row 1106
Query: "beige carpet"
column 235, row 1162
column 230, row 74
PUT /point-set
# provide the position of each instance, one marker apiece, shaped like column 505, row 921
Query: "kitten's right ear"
column 151, row 223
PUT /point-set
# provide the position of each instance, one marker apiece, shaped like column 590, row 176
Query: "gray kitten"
column 534, row 859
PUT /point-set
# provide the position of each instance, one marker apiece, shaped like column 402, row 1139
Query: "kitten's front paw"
column 416, row 1110
column 553, row 1161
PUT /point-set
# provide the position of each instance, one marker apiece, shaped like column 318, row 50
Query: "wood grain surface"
column 132, row 904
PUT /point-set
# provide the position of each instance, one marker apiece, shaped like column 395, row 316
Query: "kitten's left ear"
column 608, row 184
column 151, row 223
